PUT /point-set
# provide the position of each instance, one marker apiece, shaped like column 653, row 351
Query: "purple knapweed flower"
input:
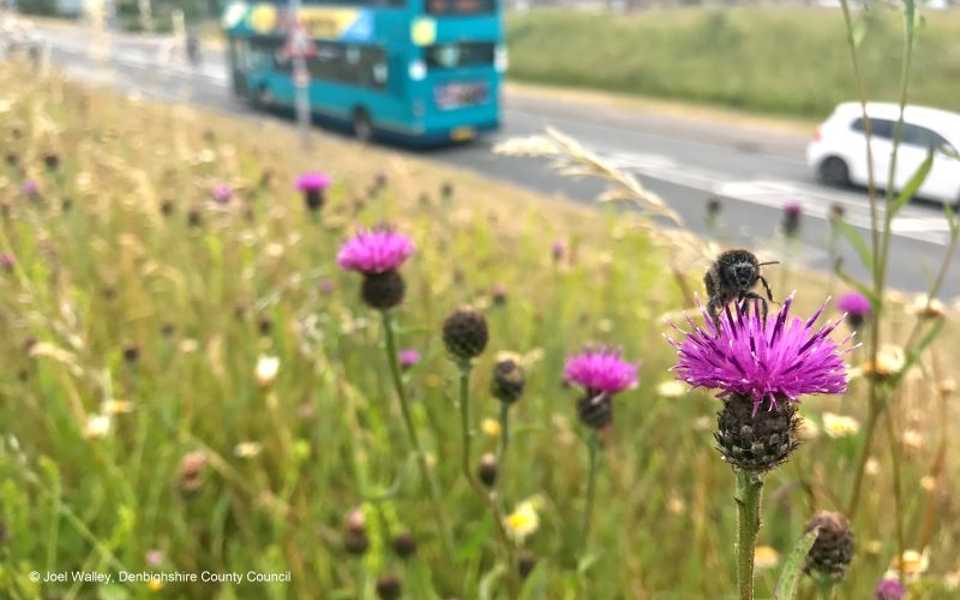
column 854, row 303
column 313, row 181
column 7, row 262
column 30, row 188
column 313, row 185
column 762, row 358
column 408, row 357
column 375, row 251
column 791, row 218
column 558, row 250
column 600, row 371
column 890, row 589
column 222, row 193
column 856, row 307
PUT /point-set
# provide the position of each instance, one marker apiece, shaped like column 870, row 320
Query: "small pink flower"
column 30, row 188
column 375, row 251
column 408, row 357
column 222, row 193
column 600, row 371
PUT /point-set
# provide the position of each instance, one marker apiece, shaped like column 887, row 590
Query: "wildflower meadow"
column 233, row 369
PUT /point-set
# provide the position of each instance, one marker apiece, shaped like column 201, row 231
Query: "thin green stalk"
column 749, row 491
column 825, row 590
column 872, row 416
column 414, row 438
column 897, row 491
column 504, row 437
column 592, row 445
column 487, row 497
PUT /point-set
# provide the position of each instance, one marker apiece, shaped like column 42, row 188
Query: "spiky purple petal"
column 600, row 370
column 762, row 358
column 375, row 251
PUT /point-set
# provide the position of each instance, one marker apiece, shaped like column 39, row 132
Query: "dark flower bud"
column 131, row 354
column 265, row 326
column 499, row 295
column 12, row 160
column 194, row 217
column 526, row 563
column 833, row 549
column 756, row 442
column 487, row 471
column 446, row 190
column 380, row 181
column 507, row 382
column 404, row 545
column 51, row 161
column 837, row 212
column 714, row 208
column 166, row 208
column 389, row 587
column 66, row 204
column 192, row 467
column 355, row 539
column 596, row 410
column 465, row 333
column 167, row 330
column 383, row 291
column 313, row 199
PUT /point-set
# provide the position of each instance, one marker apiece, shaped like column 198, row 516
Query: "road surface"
column 755, row 171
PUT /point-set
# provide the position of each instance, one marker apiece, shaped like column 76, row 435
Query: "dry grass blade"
column 572, row 159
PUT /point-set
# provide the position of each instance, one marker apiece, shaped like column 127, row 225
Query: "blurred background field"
column 775, row 59
column 139, row 433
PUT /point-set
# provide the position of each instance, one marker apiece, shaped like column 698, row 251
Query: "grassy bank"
column 779, row 60
column 138, row 434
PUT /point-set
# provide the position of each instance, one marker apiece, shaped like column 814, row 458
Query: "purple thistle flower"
column 7, row 262
column 408, row 357
column 30, row 188
column 313, row 181
column 313, row 185
column 222, row 193
column 762, row 359
column 792, row 212
column 600, row 371
column 890, row 589
column 375, row 251
column 854, row 303
column 559, row 250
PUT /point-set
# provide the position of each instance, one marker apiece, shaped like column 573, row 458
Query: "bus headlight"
column 417, row 70
column 500, row 59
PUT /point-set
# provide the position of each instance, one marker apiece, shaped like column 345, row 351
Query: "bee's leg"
column 713, row 309
column 766, row 286
column 760, row 300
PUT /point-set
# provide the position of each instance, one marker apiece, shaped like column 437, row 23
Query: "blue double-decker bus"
column 426, row 70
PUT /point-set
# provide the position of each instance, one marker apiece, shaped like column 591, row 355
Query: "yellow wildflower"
column 839, row 426
column 765, row 557
column 523, row 521
column 490, row 427
column 672, row 388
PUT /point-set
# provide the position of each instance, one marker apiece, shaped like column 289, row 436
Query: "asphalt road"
column 755, row 171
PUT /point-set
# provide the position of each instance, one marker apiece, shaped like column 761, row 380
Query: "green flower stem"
column 749, row 491
column 488, row 497
column 825, row 589
column 897, row 491
column 592, row 445
column 504, row 436
column 873, row 416
column 414, row 438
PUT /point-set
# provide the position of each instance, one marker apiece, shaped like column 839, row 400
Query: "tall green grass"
column 101, row 268
column 778, row 60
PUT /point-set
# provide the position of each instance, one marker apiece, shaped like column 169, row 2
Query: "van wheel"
column 361, row 125
column 834, row 171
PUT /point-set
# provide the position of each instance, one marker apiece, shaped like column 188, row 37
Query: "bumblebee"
column 732, row 277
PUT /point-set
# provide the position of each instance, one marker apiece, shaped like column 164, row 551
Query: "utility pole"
column 299, row 48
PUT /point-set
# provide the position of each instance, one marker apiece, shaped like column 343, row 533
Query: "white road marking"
column 776, row 193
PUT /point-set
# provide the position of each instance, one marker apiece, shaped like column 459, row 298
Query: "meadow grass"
column 787, row 60
column 132, row 296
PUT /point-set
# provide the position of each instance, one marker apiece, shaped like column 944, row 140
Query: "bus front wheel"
column 361, row 125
